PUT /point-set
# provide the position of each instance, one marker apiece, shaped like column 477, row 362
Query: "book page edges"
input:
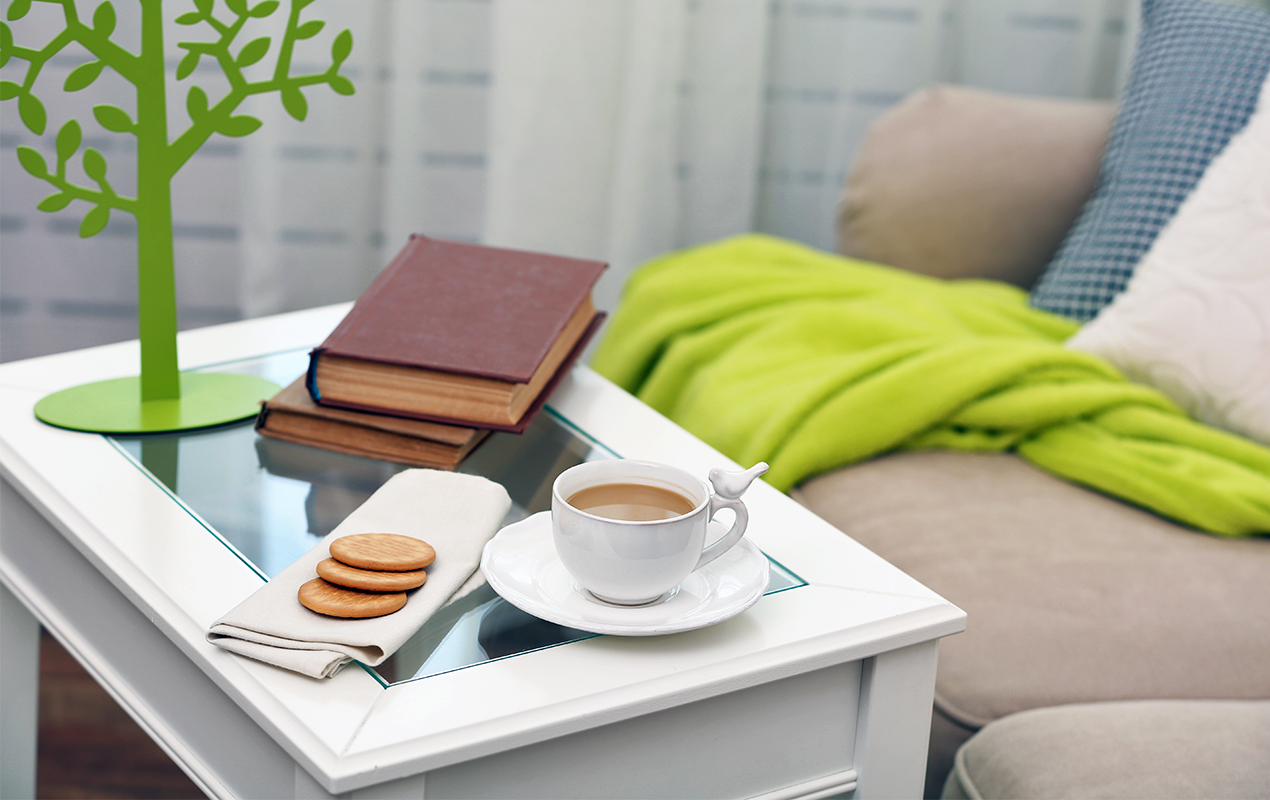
column 514, row 427
column 367, row 443
column 395, row 389
column 294, row 400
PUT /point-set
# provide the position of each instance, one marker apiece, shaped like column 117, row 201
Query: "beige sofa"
column 1109, row 652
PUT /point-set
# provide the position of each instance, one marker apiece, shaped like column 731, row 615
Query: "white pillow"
column 1194, row 320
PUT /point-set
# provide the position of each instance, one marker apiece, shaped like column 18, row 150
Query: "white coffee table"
column 822, row 688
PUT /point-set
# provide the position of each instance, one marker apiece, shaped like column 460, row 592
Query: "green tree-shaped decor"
column 160, row 398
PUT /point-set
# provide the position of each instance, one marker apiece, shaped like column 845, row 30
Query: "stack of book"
column 451, row 341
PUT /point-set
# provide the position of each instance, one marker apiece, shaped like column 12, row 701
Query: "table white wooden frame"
column 817, row 691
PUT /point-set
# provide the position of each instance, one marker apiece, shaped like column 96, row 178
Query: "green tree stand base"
column 207, row 399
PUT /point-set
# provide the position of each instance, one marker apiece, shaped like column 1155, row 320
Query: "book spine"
column 261, row 415
column 310, row 375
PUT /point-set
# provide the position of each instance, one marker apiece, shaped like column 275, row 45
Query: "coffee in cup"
column 631, row 531
column 632, row 502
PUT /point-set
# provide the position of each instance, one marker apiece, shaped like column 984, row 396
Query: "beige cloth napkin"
column 455, row 513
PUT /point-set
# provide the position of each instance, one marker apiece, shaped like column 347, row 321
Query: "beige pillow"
column 960, row 182
column 1194, row 319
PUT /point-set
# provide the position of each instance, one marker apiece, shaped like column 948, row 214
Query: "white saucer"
column 520, row 562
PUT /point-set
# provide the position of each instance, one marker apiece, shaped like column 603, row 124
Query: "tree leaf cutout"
column 309, row 29
column 113, row 118
column 83, row 76
column 253, row 51
column 9, row 90
column 32, row 161
column 32, row 112
column 342, row 85
column 295, row 104
column 188, row 64
column 342, row 46
column 94, row 221
column 264, row 9
column 239, row 7
column 95, row 164
column 240, row 125
column 69, row 139
column 104, row 19
column 18, row 9
column 190, row 18
column 6, row 42
column 55, row 202
column 196, row 103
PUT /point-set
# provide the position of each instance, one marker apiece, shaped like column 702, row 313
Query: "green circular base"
column 207, row 399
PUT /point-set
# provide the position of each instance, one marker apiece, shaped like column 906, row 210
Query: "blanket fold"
column 772, row 351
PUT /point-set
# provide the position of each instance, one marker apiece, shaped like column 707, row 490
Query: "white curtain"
column 611, row 129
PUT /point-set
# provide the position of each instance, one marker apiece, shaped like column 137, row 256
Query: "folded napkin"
column 455, row 513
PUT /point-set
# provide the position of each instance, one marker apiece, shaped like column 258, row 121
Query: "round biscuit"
column 386, row 552
column 336, row 601
column 369, row 580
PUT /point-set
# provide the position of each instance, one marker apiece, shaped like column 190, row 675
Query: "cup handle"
column 734, row 534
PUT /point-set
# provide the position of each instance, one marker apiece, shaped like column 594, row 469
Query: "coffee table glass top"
column 270, row 502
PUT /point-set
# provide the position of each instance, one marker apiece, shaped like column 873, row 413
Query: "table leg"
column 893, row 728
column 19, row 701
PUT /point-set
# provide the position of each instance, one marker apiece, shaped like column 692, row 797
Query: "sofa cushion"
column 959, row 182
column 1147, row 749
column 1071, row 596
column 1209, row 272
column 1194, row 83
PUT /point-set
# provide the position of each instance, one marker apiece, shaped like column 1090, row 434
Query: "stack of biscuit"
column 367, row 575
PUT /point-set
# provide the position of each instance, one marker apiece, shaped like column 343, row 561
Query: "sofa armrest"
column 959, row 182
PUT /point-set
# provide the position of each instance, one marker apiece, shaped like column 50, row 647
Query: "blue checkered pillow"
column 1194, row 84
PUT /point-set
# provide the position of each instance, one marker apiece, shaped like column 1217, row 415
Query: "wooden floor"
column 89, row 747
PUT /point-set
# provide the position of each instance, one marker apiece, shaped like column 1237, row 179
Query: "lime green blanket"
column 771, row 351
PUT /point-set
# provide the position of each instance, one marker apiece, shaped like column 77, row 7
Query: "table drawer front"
column 751, row 742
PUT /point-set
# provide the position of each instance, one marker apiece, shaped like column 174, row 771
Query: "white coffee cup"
column 637, row 561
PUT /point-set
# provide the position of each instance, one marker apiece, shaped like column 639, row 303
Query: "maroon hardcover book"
column 462, row 311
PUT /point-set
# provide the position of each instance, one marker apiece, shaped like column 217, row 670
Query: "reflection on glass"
column 271, row 502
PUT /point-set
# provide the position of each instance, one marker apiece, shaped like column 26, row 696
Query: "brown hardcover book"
column 459, row 333
column 292, row 416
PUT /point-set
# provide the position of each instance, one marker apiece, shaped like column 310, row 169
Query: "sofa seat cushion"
column 1149, row 749
column 1071, row 596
